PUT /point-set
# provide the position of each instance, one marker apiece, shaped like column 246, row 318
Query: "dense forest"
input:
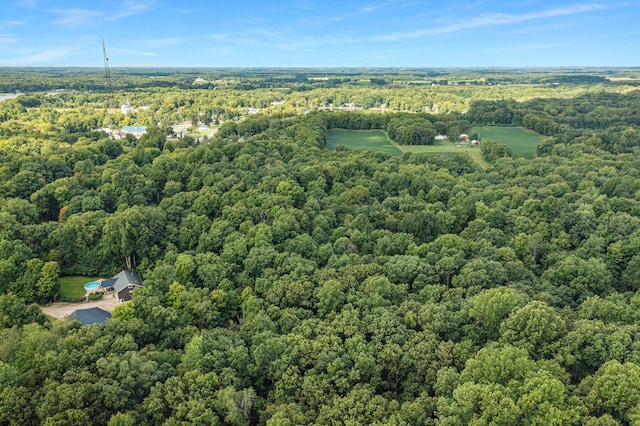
column 287, row 284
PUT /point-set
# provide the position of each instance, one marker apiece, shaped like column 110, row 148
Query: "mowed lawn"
column 523, row 142
column 370, row 140
column 377, row 140
column 73, row 287
column 448, row 149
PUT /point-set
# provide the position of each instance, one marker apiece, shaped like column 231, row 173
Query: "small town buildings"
column 115, row 134
column 136, row 131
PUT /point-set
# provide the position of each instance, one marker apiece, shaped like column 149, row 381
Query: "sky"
column 320, row 33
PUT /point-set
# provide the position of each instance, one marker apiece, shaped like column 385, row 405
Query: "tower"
column 107, row 73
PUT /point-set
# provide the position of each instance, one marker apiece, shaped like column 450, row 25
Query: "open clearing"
column 72, row 288
column 377, row 140
column 522, row 141
column 371, row 140
column 448, row 149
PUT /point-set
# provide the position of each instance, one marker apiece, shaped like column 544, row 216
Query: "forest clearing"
column 523, row 142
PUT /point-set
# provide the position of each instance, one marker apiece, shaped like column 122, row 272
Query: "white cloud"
column 372, row 8
column 74, row 17
column 44, row 57
column 78, row 16
column 25, row 3
column 489, row 19
column 185, row 11
column 130, row 8
column 131, row 52
column 5, row 24
column 158, row 43
column 527, row 47
column 7, row 39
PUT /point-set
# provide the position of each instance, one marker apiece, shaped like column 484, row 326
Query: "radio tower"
column 107, row 73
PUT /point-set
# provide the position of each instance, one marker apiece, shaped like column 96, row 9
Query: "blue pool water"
column 92, row 285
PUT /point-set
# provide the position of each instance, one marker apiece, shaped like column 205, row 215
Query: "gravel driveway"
column 61, row 310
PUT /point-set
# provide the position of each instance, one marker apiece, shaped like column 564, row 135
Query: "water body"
column 5, row 96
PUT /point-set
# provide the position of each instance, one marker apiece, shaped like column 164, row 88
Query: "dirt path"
column 61, row 310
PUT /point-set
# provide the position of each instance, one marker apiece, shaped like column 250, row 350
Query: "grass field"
column 371, row 140
column 377, row 140
column 522, row 142
column 448, row 149
column 73, row 287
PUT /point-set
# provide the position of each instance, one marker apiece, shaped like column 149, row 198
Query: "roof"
column 108, row 283
column 90, row 316
column 134, row 129
column 125, row 279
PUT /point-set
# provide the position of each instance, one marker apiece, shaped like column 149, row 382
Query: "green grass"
column 448, row 149
column 522, row 141
column 377, row 140
column 73, row 287
column 371, row 140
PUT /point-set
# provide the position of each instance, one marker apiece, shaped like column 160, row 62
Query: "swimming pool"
column 93, row 285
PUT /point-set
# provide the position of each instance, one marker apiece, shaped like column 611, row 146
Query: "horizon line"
column 395, row 67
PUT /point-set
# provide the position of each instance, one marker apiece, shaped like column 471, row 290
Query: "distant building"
column 253, row 110
column 114, row 134
column 136, row 131
column 126, row 108
column 90, row 316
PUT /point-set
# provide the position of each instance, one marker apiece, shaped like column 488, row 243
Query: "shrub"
column 95, row 296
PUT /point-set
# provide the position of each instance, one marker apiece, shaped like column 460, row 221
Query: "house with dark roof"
column 108, row 284
column 125, row 283
column 90, row 316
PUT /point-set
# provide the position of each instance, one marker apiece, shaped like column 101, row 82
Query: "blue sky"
column 320, row 33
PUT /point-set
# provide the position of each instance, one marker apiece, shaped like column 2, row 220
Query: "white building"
column 126, row 108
